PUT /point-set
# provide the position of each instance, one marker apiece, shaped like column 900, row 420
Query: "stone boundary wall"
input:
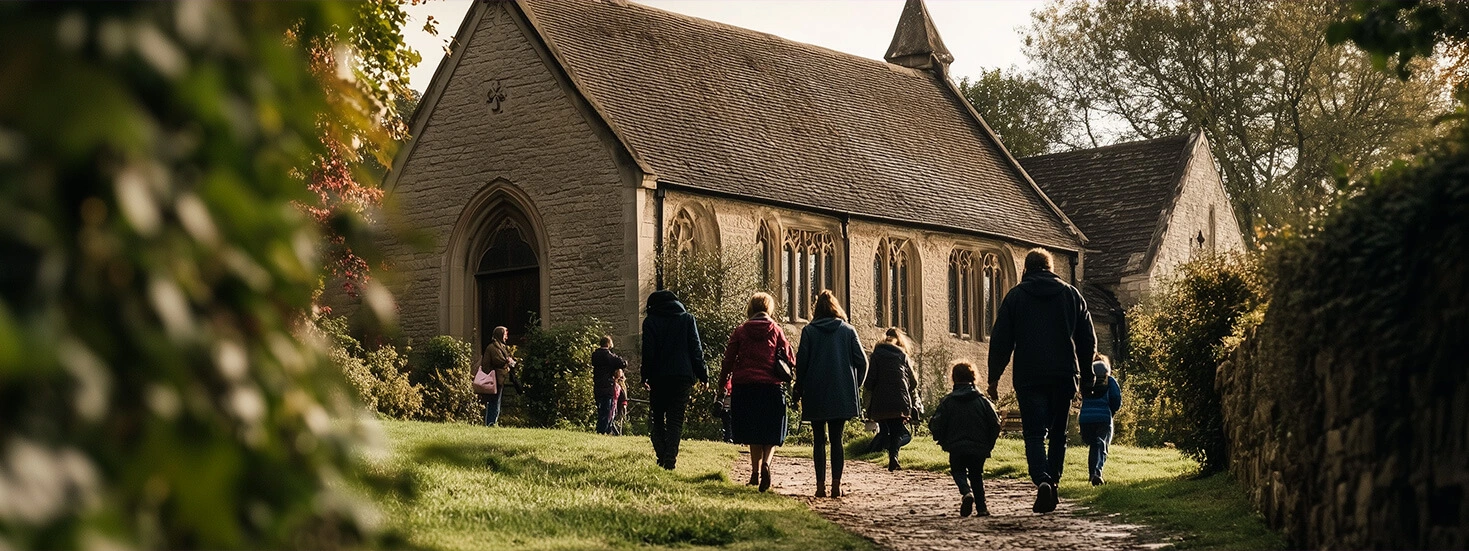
column 1341, row 449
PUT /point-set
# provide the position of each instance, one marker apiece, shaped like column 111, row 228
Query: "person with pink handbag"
column 493, row 373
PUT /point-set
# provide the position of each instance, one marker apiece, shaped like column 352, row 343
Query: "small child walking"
column 966, row 425
column 1098, row 404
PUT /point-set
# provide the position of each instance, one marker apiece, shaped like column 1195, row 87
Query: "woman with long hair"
column 831, row 366
column 757, row 408
column 890, row 384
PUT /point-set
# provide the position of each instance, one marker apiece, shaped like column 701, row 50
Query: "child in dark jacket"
column 1098, row 404
column 966, row 425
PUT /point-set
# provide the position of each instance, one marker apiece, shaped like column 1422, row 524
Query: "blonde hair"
column 760, row 302
column 963, row 372
column 898, row 338
column 828, row 307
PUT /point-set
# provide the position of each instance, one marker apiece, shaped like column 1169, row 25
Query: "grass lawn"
column 1154, row 487
column 505, row 488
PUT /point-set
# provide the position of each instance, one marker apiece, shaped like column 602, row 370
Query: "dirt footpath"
column 920, row 510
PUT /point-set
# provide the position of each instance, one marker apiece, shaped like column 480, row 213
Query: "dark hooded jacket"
column 890, row 383
column 1045, row 323
column 671, row 349
column 965, row 423
column 830, row 367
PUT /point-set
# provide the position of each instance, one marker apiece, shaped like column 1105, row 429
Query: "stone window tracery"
column 892, row 275
column 807, row 265
column 975, row 289
column 681, row 234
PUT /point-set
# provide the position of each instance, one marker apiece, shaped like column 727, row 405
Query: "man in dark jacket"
column 605, row 366
column 673, row 360
column 1045, row 323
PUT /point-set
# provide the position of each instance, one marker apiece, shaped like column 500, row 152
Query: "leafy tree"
column 1018, row 108
column 1178, row 337
column 153, row 388
column 1286, row 111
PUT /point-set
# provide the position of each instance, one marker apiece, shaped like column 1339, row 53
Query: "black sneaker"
column 966, row 507
column 980, row 510
column 1044, row 498
column 893, row 464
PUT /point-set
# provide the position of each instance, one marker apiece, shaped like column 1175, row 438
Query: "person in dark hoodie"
column 1045, row 324
column 966, row 425
column 757, row 409
column 890, row 385
column 673, row 360
column 830, row 367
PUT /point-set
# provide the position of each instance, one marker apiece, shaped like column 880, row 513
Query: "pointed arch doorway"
column 507, row 282
column 495, row 267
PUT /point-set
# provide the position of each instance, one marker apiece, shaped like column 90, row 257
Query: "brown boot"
column 836, row 487
column 820, row 487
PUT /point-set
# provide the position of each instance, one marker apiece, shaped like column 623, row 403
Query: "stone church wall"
column 739, row 223
column 540, row 143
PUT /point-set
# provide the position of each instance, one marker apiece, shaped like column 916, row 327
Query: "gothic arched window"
column 808, row 265
column 975, row 290
column 892, row 275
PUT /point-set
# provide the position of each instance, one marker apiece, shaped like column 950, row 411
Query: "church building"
column 1146, row 207
column 565, row 145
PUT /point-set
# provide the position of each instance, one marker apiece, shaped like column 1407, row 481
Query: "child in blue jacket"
column 1098, row 404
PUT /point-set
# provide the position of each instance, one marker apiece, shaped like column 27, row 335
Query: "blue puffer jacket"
column 830, row 366
column 671, row 349
column 1100, row 407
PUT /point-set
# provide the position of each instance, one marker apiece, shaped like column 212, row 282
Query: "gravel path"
column 920, row 510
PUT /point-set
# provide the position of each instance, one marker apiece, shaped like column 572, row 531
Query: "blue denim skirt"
column 758, row 414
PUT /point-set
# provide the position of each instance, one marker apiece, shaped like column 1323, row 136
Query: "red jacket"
column 750, row 356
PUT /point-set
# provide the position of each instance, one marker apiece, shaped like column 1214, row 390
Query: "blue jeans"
column 1098, row 436
column 492, row 408
column 604, row 415
column 1043, row 417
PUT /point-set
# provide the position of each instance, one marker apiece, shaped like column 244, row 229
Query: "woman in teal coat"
column 830, row 367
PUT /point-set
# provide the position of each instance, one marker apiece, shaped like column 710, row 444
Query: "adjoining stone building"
column 565, row 143
column 1146, row 207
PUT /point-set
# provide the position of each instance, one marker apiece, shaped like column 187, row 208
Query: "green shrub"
column 364, row 384
column 442, row 370
column 153, row 267
column 393, row 394
column 1178, row 338
column 556, row 373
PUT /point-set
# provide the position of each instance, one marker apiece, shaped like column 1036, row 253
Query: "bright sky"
column 980, row 33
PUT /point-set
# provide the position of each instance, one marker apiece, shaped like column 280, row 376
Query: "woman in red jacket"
column 757, row 407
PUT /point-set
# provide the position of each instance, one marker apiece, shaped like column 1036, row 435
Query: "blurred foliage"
column 556, row 373
column 443, row 370
column 1398, row 31
column 1020, row 109
column 154, row 390
column 1284, row 110
column 1178, row 337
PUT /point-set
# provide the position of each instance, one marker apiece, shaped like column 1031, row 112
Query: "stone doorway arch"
column 496, row 271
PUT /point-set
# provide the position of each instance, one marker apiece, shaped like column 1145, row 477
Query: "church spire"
column 916, row 43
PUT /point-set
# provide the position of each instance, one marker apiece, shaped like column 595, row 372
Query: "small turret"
column 916, row 42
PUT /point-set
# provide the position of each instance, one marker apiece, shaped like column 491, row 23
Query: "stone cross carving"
column 496, row 97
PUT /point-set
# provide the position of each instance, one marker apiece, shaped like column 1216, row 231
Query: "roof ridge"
column 1184, row 136
column 749, row 31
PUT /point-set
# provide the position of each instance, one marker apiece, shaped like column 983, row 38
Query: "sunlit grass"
column 505, row 488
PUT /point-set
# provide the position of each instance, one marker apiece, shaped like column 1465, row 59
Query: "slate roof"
column 1117, row 195
column 719, row 108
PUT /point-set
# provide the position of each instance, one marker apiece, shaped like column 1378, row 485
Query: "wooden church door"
column 509, row 284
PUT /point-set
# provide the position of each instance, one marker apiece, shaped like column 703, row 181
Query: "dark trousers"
column 1043, row 417
column 667, row 403
column 893, row 431
column 1098, row 436
column 828, row 431
column 605, row 409
column 968, row 472
column 492, row 408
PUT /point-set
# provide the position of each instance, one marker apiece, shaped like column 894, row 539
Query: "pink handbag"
column 485, row 383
